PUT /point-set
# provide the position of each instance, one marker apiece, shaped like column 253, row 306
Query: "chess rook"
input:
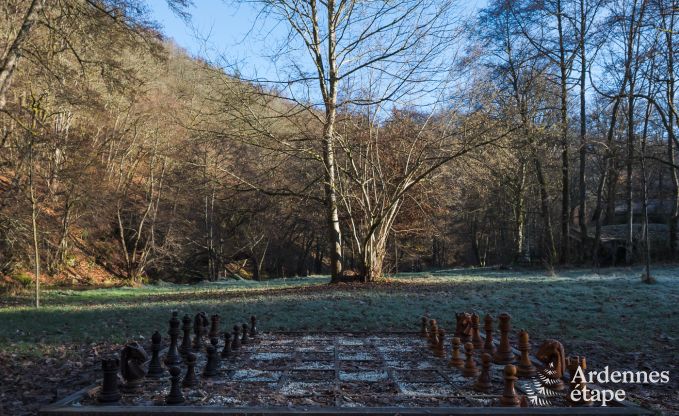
column 504, row 354
column 109, row 392
column 572, row 364
column 525, row 369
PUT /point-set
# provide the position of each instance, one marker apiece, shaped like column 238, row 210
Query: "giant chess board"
column 324, row 373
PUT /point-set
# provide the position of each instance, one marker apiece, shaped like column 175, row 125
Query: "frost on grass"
column 366, row 376
column 356, row 356
column 269, row 356
column 256, row 375
column 294, row 389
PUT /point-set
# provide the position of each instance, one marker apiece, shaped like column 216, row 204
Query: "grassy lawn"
column 610, row 317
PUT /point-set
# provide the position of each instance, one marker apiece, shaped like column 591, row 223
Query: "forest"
column 396, row 137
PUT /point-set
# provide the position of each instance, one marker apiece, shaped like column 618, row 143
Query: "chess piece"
column 253, row 326
column 109, row 389
column 185, row 348
column 226, row 352
column 439, row 349
column 455, row 357
column 235, row 344
column 244, row 332
column 470, row 369
column 424, row 332
column 509, row 397
column 214, row 327
column 551, row 354
column 175, row 396
column 525, row 369
column 483, row 382
column 572, row 364
column 434, row 340
column 433, row 331
column 475, row 336
column 488, row 328
column 199, row 331
column 504, row 353
column 463, row 326
column 190, row 377
column 132, row 359
column 212, row 364
column 172, row 357
column 155, row 367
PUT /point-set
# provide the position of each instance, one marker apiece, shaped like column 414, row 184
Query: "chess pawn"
column 470, row 369
column 525, row 369
column 235, row 344
column 155, row 367
column 509, row 397
column 488, row 328
column 197, row 334
column 172, row 357
column 214, row 327
column 434, row 341
column 226, row 351
column 244, row 334
column 190, row 377
column 424, row 332
column 572, row 364
column 476, row 337
column 212, row 364
column 483, row 382
column 253, row 326
column 439, row 349
column 433, row 331
column 175, row 396
column 455, row 357
column 504, row 353
column 185, row 348
column 109, row 392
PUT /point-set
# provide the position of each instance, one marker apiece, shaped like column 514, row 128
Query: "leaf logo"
column 538, row 389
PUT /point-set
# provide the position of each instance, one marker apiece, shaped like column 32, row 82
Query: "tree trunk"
column 544, row 207
column 582, row 213
column 565, row 167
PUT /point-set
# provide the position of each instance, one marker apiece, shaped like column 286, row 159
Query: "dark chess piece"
column 175, row 396
column 155, row 367
column 185, row 348
column 235, row 344
column 212, row 364
column 190, row 377
column 226, row 352
column 483, row 382
column 132, row 359
column 463, row 326
column 552, row 355
column 525, row 369
column 504, row 353
column 509, row 397
column 172, row 357
column 488, row 345
column 244, row 334
column 439, row 349
column 475, row 335
column 199, row 331
column 424, row 332
column 214, row 327
column 109, row 389
column 433, row 331
column 470, row 369
column 434, row 340
column 253, row 326
column 572, row 364
column 455, row 356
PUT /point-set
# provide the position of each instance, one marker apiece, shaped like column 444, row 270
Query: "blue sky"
column 223, row 29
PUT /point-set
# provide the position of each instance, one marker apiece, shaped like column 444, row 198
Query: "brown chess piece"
column 470, row 369
column 433, row 330
column 504, row 354
column 483, row 382
column 526, row 369
column 551, row 354
column 509, row 397
column 572, row 364
column 476, row 337
column 434, row 341
column 439, row 350
column 424, row 333
column 463, row 326
column 488, row 345
column 455, row 358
